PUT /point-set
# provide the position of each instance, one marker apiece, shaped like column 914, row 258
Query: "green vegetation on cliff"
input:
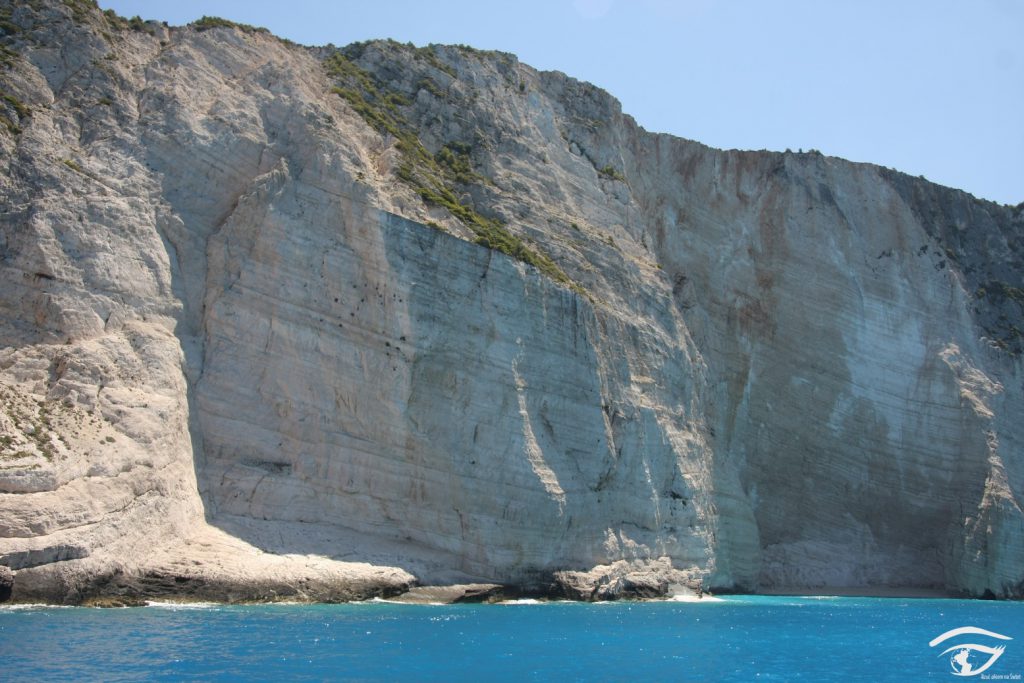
column 205, row 23
column 12, row 112
column 435, row 177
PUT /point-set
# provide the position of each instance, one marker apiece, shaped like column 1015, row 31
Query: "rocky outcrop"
column 288, row 322
column 623, row 580
column 453, row 594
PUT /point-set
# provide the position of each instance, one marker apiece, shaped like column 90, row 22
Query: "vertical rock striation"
column 288, row 322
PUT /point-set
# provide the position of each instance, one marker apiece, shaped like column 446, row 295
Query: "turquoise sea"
column 739, row 638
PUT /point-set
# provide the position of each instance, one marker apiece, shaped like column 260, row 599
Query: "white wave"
column 692, row 597
column 385, row 601
column 159, row 604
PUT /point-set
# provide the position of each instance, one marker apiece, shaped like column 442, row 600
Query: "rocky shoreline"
column 643, row 582
column 148, row 590
column 621, row 581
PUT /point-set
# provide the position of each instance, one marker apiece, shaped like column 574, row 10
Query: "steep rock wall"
column 770, row 369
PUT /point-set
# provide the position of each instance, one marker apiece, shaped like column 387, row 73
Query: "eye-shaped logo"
column 961, row 660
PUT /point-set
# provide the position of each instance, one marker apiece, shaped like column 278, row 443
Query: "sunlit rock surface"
column 243, row 355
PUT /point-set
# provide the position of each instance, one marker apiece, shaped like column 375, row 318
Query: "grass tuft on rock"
column 612, row 173
column 12, row 112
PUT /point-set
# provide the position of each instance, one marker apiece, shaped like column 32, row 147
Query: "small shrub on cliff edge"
column 205, row 23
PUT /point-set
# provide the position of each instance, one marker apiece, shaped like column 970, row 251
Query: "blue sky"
column 930, row 87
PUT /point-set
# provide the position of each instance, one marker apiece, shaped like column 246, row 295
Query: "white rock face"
column 236, row 362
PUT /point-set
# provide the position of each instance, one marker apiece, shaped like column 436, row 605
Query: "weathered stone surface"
column 644, row 579
column 238, row 362
column 468, row 592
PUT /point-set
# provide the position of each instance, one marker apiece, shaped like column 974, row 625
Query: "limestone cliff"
column 321, row 323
